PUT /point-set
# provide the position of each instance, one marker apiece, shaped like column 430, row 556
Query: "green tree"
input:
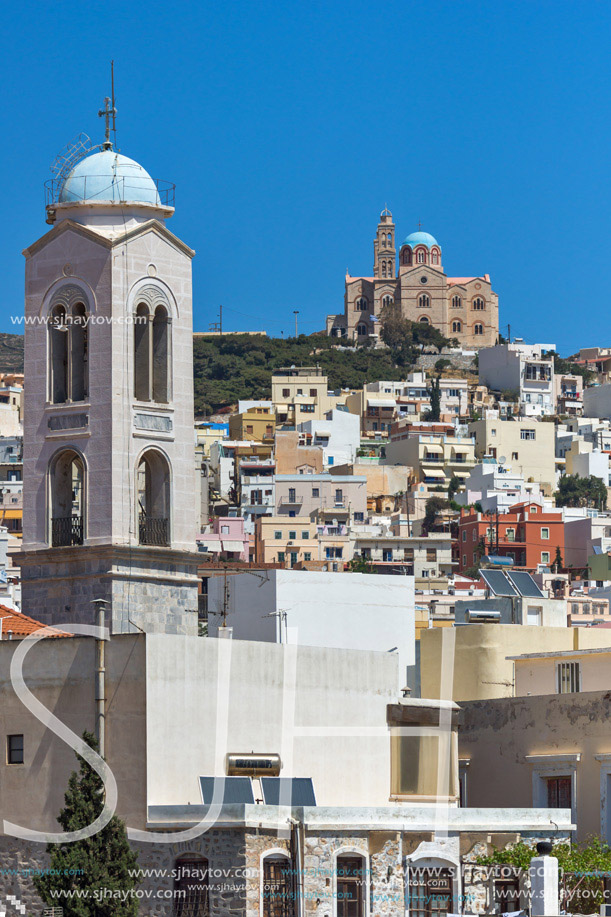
column 360, row 565
column 583, row 865
column 434, row 393
column 103, row 863
column 453, row 487
column 557, row 565
column 576, row 491
column 433, row 507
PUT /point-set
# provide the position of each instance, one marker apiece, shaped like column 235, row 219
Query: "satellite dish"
column 502, row 460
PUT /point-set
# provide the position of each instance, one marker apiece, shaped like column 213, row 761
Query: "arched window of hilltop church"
column 479, row 303
column 68, row 356
column 361, row 304
column 456, row 302
column 153, row 485
column 478, row 329
column 435, row 256
column 424, row 319
column 456, row 326
column 389, row 238
column 387, row 300
column 191, row 887
column 67, row 504
column 383, row 269
column 361, row 329
column 424, row 301
column 407, row 256
column 421, row 256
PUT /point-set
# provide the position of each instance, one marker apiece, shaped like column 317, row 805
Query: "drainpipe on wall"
column 296, row 845
column 100, row 678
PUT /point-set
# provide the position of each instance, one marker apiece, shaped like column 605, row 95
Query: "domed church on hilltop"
column 465, row 308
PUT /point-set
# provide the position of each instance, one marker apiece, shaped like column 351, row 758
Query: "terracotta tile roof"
column 21, row 625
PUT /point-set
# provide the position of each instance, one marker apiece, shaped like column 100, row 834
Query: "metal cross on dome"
column 109, row 110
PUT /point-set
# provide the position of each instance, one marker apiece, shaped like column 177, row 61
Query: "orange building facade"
column 525, row 534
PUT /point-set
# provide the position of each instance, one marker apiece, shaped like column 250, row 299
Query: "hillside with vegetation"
column 239, row 366
column 11, row 353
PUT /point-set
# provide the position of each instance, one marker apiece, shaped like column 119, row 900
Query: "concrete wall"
column 539, row 675
column 535, row 457
column 470, row 662
column 497, row 735
column 345, row 610
column 207, row 698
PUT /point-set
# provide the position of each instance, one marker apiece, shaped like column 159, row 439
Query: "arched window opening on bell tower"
column 151, row 352
column 160, row 356
column 68, row 493
column 68, row 354
column 153, row 484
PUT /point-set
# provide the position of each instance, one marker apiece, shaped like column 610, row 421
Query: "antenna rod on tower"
column 112, row 92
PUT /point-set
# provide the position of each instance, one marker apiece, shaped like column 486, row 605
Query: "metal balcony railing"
column 153, row 531
column 292, row 498
column 66, row 531
column 121, row 189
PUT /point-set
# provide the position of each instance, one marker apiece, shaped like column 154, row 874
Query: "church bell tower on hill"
column 109, row 465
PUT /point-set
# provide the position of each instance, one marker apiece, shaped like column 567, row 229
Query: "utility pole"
column 295, row 313
column 221, row 320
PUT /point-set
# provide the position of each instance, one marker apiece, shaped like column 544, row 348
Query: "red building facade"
column 526, row 534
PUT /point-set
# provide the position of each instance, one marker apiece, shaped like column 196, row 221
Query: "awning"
column 433, row 472
column 462, row 449
column 382, row 402
column 462, row 474
column 434, row 450
column 233, row 546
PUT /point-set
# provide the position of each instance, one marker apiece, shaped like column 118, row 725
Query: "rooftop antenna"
column 109, row 111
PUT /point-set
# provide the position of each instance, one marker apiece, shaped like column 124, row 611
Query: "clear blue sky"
column 287, row 127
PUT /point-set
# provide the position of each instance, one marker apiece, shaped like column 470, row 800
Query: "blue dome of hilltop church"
column 421, row 238
column 109, row 176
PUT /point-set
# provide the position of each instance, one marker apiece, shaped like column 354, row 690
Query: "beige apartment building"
column 301, row 393
column 257, row 423
column 528, row 446
column 474, row 661
column 285, row 541
column 465, row 308
column 293, row 457
column 427, row 558
column 328, row 496
column 549, row 745
column 435, row 457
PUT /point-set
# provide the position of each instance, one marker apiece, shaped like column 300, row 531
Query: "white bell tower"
column 109, row 464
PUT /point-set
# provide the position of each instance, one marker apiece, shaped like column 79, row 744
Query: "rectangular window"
column 292, row 536
column 431, row 554
column 249, row 428
column 14, row 749
column 280, row 557
column 430, row 892
column 418, row 762
column 313, row 393
column 305, row 536
column 559, row 794
column 358, row 517
column 286, row 392
column 307, row 556
column 277, row 535
column 339, row 497
column 387, row 554
column 545, row 534
column 568, row 677
column 315, row 492
column 351, row 884
column 408, row 554
column 293, row 558
column 514, row 456
column 527, row 434
column 510, row 534
column 464, row 535
column 533, row 616
column 545, row 557
column 292, row 495
column 224, row 530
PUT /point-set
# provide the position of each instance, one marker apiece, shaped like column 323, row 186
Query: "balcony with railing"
column 66, row 531
column 153, row 531
column 290, row 500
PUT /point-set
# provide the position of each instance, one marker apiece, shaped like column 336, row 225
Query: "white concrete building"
column 584, row 460
column 344, row 610
column 597, row 401
column 521, row 368
column 339, row 435
column 496, row 487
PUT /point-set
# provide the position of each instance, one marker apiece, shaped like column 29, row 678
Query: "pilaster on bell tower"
column 384, row 251
column 109, row 466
